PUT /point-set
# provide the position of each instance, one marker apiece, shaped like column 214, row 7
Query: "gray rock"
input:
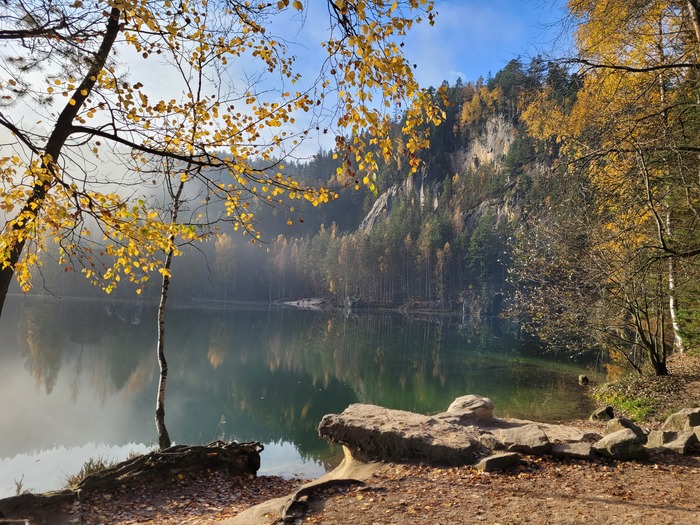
column 685, row 419
column 377, row 433
column 657, row 438
column 573, row 450
column 623, row 444
column 603, row 414
column 528, row 439
column 618, row 423
column 490, row 441
column 564, row 433
column 468, row 429
column 678, row 442
column 683, row 442
column 499, row 461
column 472, row 406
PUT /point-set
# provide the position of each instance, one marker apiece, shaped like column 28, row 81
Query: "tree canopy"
column 87, row 143
column 630, row 143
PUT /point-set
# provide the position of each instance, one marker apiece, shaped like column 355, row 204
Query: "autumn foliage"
column 87, row 143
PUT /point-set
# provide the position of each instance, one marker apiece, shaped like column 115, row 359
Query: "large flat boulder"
column 466, row 431
column 374, row 432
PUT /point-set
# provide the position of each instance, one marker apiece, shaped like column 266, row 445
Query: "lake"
column 80, row 378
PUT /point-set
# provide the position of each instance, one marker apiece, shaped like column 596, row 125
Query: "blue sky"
column 472, row 37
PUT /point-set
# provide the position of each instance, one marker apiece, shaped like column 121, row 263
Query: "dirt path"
column 537, row 492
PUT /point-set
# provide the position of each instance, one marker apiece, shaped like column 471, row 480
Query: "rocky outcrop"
column 463, row 434
column 623, row 444
column 686, row 419
column 468, row 433
column 489, row 147
column 603, row 414
column 619, row 423
column 380, row 207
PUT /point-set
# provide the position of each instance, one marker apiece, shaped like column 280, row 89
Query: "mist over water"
column 80, row 379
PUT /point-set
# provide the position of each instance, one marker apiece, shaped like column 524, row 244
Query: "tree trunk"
column 163, row 436
column 679, row 346
column 657, row 357
column 694, row 10
column 52, row 152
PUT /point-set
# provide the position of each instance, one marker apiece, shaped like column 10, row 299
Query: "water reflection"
column 82, row 373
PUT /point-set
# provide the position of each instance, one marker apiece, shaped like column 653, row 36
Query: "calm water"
column 79, row 380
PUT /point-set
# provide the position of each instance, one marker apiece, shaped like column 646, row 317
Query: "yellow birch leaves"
column 238, row 98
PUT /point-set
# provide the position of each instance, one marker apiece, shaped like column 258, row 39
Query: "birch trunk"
column 678, row 344
column 163, row 436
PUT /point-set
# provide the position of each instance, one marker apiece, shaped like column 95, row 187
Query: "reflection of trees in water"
column 422, row 365
column 43, row 344
column 274, row 373
column 100, row 351
column 220, row 341
column 380, row 356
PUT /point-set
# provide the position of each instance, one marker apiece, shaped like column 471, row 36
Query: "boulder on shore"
column 467, row 432
column 464, row 433
column 623, row 444
column 373, row 432
column 685, row 419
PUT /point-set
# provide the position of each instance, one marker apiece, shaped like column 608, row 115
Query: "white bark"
column 678, row 344
column 163, row 436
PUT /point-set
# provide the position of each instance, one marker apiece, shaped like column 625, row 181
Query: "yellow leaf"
column 298, row 5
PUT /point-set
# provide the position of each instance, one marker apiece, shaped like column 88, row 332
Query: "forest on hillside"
column 440, row 240
column 561, row 192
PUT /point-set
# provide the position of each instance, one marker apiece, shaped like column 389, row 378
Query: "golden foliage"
column 220, row 124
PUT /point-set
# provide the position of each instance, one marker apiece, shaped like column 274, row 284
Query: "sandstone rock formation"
column 468, row 433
